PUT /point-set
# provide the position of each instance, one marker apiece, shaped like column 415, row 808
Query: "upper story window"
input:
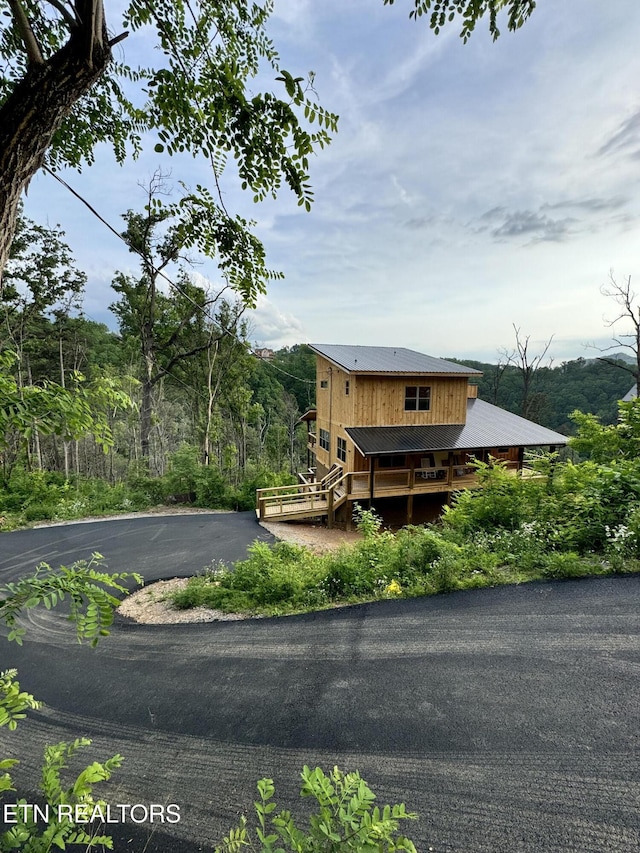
column 346, row 387
column 324, row 439
column 342, row 449
column 417, row 398
column 324, row 383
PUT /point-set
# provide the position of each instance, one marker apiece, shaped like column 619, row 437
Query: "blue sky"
column 470, row 187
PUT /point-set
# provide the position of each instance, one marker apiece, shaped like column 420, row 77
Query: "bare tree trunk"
column 146, row 409
column 528, row 367
column 38, row 105
column 630, row 313
column 36, row 435
column 65, row 443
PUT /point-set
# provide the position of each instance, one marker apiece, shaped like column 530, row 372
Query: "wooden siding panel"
column 380, row 401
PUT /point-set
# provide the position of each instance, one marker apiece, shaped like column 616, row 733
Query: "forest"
column 173, row 403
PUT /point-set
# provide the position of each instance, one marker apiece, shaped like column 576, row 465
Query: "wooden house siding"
column 380, row 400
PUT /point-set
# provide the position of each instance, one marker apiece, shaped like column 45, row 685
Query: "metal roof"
column 487, row 426
column 360, row 359
column 631, row 394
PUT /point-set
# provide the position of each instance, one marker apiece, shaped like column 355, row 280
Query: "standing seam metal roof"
column 487, row 426
column 361, row 359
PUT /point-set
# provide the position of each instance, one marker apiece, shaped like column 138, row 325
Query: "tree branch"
column 66, row 14
column 26, row 33
column 181, row 356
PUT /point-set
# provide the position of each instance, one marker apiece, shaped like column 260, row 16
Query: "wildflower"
column 394, row 588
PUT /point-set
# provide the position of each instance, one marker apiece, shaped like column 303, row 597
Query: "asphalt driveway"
column 507, row 718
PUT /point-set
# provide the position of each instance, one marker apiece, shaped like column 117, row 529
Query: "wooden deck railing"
column 322, row 497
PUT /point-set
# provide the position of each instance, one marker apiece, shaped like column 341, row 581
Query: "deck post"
column 409, row 509
column 330, row 515
column 371, row 461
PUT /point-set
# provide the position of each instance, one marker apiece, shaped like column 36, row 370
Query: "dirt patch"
column 319, row 539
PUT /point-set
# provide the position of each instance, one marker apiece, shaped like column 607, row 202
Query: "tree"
column 62, row 92
column 40, row 281
column 629, row 312
column 48, row 408
column 605, row 444
column 528, row 367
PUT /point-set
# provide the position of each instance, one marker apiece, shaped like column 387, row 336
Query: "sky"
column 470, row 188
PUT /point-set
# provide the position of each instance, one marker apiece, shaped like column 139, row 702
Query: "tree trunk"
column 146, row 411
column 37, row 107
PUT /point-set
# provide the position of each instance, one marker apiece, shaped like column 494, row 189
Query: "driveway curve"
column 507, row 718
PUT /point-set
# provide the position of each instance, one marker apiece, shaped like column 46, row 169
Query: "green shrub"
column 500, row 503
column 39, row 512
column 565, row 565
column 211, row 488
column 346, row 819
column 183, row 470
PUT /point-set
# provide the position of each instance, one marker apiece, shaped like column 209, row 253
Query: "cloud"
column 591, row 205
column 273, row 327
column 627, row 136
column 540, row 228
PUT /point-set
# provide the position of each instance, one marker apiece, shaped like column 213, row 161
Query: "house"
column 397, row 429
column 264, row 353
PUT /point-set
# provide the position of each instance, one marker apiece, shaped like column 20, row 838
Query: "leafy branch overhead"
column 92, row 595
column 62, row 92
column 442, row 12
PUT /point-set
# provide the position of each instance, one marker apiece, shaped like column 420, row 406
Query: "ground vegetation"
column 569, row 520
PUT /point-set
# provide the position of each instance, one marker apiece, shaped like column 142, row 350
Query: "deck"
column 314, row 499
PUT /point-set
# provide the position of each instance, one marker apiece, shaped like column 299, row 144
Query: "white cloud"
column 270, row 326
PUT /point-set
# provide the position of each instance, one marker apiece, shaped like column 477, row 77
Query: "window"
column 324, row 383
column 346, row 387
column 342, row 449
column 324, row 439
column 417, row 398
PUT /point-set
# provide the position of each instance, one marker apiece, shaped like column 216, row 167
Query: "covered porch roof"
column 487, row 426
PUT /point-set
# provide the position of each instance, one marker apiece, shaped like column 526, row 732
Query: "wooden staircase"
column 305, row 499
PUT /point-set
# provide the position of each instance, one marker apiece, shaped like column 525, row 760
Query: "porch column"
column 371, row 464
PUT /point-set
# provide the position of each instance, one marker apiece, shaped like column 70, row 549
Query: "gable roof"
column 361, row 359
column 487, row 426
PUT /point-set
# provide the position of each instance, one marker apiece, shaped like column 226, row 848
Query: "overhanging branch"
column 27, row 35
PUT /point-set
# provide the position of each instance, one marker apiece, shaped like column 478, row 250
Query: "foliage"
column 40, row 275
column 91, row 610
column 346, row 819
column 503, row 502
column 79, row 409
column 606, row 443
column 13, row 703
column 441, row 12
column 62, row 828
column 86, row 588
